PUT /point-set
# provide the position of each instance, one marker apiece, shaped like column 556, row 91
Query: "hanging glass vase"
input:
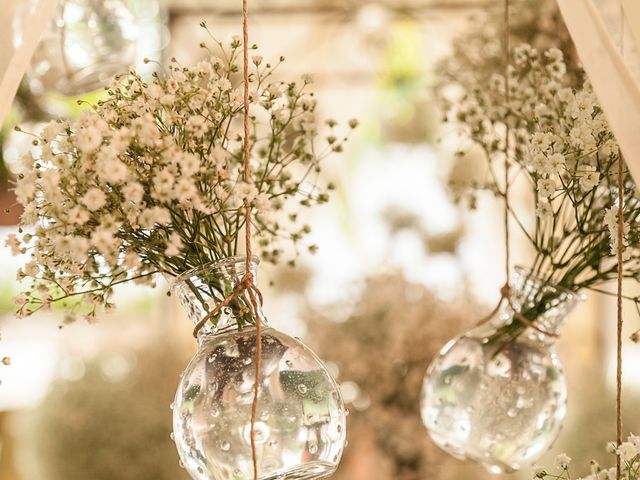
column 88, row 43
column 300, row 428
column 496, row 394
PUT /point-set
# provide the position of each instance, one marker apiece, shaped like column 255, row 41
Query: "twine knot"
column 505, row 291
column 246, row 284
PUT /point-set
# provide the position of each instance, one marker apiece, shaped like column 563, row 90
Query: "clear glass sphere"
column 500, row 400
column 88, row 42
column 300, row 428
column 300, row 425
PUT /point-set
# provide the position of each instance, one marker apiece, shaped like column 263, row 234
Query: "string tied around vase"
column 247, row 283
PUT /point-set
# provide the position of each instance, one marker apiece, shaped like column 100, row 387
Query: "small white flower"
column 104, row 241
column 263, row 203
column 51, row 130
column 556, row 162
column 133, row 192
column 88, row 139
column 540, row 142
column 589, row 178
column 94, row 199
column 189, row 164
column 25, row 189
column 154, row 91
column 627, row 451
column 78, row 215
column 524, row 53
column 13, row 243
column 168, row 99
column 163, row 182
column 185, row 190
column 247, row 192
column 546, row 187
column 544, row 210
column 151, row 217
column 113, row 171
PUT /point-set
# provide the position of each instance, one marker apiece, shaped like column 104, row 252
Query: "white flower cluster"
column 629, row 453
column 151, row 179
column 561, row 144
column 562, row 138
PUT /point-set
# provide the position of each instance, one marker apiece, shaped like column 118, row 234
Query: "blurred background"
column 401, row 267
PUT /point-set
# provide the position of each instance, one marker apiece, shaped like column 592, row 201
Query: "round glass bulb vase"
column 88, row 42
column 300, row 429
column 497, row 394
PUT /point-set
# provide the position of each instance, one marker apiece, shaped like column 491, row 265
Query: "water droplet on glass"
column 313, row 448
column 302, row 388
column 172, row 406
column 339, row 428
column 247, row 361
column 172, row 436
column 273, row 443
column 225, row 446
column 512, row 412
column 447, row 380
column 180, row 464
column 289, row 363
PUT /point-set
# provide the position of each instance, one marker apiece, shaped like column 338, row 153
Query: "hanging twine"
column 247, row 283
column 619, row 308
column 505, row 291
column 619, row 283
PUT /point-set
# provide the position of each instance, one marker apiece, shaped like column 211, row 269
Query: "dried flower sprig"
column 150, row 180
column 629, row 453
column 564, row 151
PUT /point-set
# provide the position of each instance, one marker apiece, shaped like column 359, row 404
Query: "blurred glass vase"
column 300, row 427
column 497, row 394
column 88, row 42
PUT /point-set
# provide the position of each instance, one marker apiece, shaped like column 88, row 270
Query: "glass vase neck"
column 203, row 289
column 541, row 303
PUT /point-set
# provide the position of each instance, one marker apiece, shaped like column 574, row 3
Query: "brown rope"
column 619, row 284
column 507, row 99
column 247, row 209
column 619, row 308
column 247, row 283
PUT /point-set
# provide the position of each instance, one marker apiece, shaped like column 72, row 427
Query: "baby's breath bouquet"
column 477, row 53
column 150, row 180
column 629, row 453
column 564, row 152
